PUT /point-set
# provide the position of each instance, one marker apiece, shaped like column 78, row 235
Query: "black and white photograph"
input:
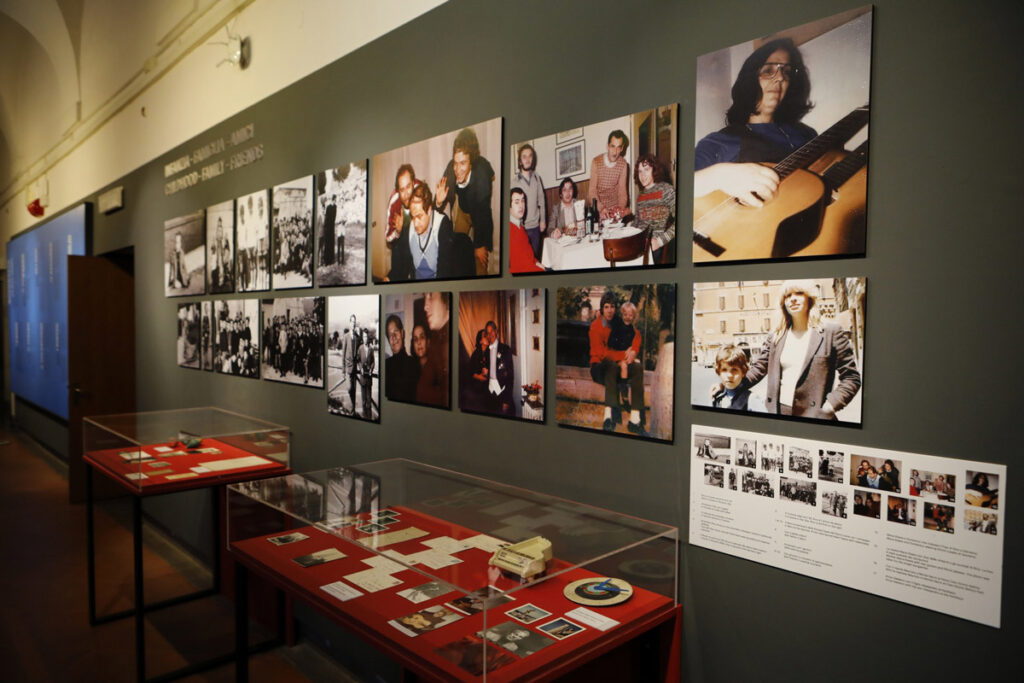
column 288, row 538
column 772, row 457
column 527, row 613
column 341, row 225
column 206, row 336
column 982, row 490
column 981, row 521
column 185, row 255
column 418, row 353
column 353, row 356
column 938, row 517
column 220, row 248
column 713, row 447
column 731, row 478
column 933, row 485
column 319, row 557
column 502, row 344
column 189, row 327
column 875, row 473
column 867, row 504
column 757, row 483
column 520, row 641
column 799, row 491
column 746, row 453
column 293, row 340
column 901, row 510
column 830, row 466
column 292, row 256
column 372, row 528
column 425, row 591
column 833, row 503
column 561, row 628
column 781, row 124
column 714, row 475
column 487, row 597
column 615, row 359
column 792, row 348
column 236, row 334
column 252, row 243
column 800, row 461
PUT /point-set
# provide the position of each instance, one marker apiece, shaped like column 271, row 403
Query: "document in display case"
column 164, row 450
column 409, row 556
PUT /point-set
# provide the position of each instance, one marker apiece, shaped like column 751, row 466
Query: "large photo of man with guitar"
column 780, row 165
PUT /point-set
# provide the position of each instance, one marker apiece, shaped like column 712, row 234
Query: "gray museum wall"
column 942, row 262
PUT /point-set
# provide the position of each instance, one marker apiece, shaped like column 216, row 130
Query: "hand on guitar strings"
column 751, row 184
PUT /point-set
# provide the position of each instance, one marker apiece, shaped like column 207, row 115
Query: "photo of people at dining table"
column 615, row 367
column 599, row 196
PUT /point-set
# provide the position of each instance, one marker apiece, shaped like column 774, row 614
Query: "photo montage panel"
column 236, row 333
column 293, row 340
column 252, row 239
column 189, row 325
column 292, row 256
column 595, row 197
column 615, row 358
column 435, row 208
column 417, row 353
column 501, row 349
column 353, row 356
column 775, row 347
column 185, row 255
column 782, row 143
column 341, row 225
column 206, row 336
column 220, row 248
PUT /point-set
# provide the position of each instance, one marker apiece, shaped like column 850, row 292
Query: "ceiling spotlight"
column 237, row 47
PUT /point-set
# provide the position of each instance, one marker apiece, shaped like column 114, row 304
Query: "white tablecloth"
column 567, row 253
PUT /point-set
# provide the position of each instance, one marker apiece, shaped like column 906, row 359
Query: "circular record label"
column 599, row 592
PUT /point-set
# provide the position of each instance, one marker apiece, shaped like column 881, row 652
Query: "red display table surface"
column 368, row 614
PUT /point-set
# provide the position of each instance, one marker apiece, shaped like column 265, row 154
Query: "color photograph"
column 417, row 356
column 236, row 337
column 293, row 340
column 353, row 352
column 341, row 225
column 252, row 242
column 781, row 123
column 875, row 473
column 435, row 209
column 220, row 248
column 292, row 256
column 185, row 255
column 793, row 348
column 605, row 199
column 615, row 359
column 501, row 353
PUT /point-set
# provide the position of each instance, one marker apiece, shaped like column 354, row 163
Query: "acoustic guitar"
column 724, row 229
column 845, row 218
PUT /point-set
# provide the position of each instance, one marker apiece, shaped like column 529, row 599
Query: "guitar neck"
column 835, row 136
column 839, row 173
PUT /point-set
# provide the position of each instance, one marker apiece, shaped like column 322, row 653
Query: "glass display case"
column 459, row 577
column 164, row 450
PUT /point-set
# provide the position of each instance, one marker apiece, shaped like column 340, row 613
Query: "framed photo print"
column 293, row 340
column 353, row 356
column 341, row 225
column 236, row 335
column 185, row 255
column 220, row 248
column 569, row 159
column 292, row 256
column 189, row 324
column 252, row 233
column 417, row 355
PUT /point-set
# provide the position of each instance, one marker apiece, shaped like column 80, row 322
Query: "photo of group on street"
column 353, row 350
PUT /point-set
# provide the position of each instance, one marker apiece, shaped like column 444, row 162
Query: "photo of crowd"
column 800, row 461
column 341, row 225
column 434, row 209
column 938, row 517
column 353, row 350
column 236, row 337
column 714, row 475
column 933, row 485
column 901, row 510
column 220, row 248
column 982, row 490
column 772, row 456
column 791, row 348
column 185, row 255
column 189, row 325
column 867, row 504
column 206, row 335
column 799, row 491
column 417, row 355
column 833, row 503
column 981, row 521
column 714, row 447
column 875, row 473
column 615, row 359
column 252, row 240
column 768, row 140
column 830, row 466
column 293, row 334
column 746, row 453
column 758, row 483
column 292, row 255
column 501, row 353
column 571, row 211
